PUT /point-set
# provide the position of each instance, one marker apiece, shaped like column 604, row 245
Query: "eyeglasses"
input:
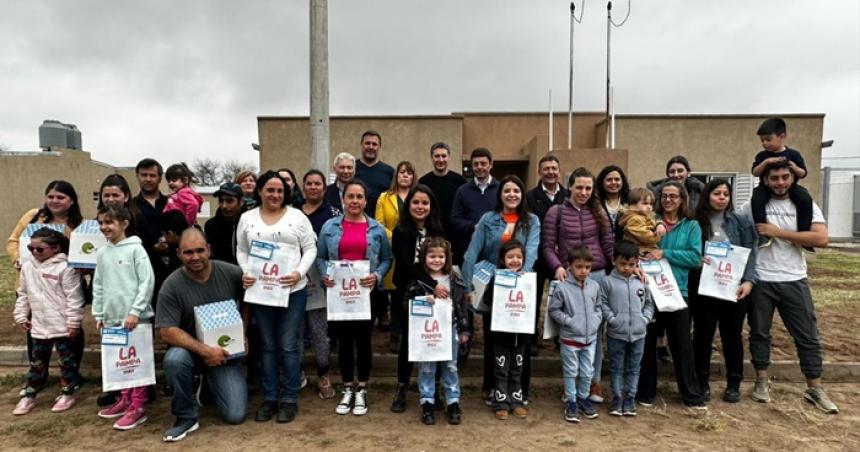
column 37, row 249
column 671, row 196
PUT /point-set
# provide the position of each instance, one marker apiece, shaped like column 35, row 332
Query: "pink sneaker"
column 24, row 406
column 131, row 419
column 116, row 410
column 63, row 403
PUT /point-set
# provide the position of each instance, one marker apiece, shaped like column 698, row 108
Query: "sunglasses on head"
column 37, row 249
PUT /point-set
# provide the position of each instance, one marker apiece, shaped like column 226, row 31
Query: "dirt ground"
column 787, row 423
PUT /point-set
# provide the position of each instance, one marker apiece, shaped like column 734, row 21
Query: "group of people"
column 424, row 237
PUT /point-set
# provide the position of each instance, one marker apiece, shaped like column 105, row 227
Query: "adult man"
column 221, row 229
column 472, row 199
column 150, row 203
column 548, row 193
column 344, row 170
column 782, row 285
column 373, row 172
column 199, row 281
column 442, row 181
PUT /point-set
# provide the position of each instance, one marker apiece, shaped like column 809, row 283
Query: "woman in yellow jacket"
column 388, row 208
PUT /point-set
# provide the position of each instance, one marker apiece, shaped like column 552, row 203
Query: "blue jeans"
column 598, row 276
column 624, row 360
column 280, row 336
column 450, row 378
column 227, row 384
column 576, row 368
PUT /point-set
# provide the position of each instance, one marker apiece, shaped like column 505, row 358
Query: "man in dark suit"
column 344, row 169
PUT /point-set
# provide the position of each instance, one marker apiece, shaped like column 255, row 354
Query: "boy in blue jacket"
column 573, row 307
column 627, row 308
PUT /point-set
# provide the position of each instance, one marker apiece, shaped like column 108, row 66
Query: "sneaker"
column 108, row 398
column 131, row 419
column 359, row 407
column 571, row 414
column 502, row 415
column 732, row 394
column 490, row 400
column 287, row 412
column 24, row 406
column 427, row 413
column 398, row 404
column 346, row 401
column 596, row 394
column 453, row 414
column 63, row 403
column 266, row 411
column 304, row 381
column 520, row 412
column 116, row 410
column 706, row 393
column 818, row 397
column 324, row 388
column 628, row 407
column 761, row 391
column 647, row 403
column 586, row 408
column 700, row 406
column 180, row 428
column 615, row 406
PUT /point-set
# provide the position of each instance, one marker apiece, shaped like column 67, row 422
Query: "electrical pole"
column 570, row 83
column 319, row 117
column 608, row 73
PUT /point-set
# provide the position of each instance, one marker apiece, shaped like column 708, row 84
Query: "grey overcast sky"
column 179, row 79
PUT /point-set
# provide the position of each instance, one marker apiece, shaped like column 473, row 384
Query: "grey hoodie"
column 627, row 306
column 573, row 307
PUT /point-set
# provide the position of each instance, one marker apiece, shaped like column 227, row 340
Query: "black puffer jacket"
column 457, row 293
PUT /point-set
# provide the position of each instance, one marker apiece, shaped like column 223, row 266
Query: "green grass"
column 7, row 282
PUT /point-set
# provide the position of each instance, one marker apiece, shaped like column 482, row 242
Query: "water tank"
column 53, row 133
column 74, row 137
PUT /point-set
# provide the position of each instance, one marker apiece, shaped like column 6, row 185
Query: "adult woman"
column 612, row 190
column 682, row 247
column 274, row 221
column 580, row 221
column 248, row 181
column 422, row 221
column 719, row 223
column 297, row 198
column 116, row 191
column 678, row 170
column 509, row 219
column 60, row 207
column 318, row 211
column 388, row 208
column 350, row 237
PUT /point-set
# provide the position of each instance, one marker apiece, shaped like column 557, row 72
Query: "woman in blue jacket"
column 354, row 236
column 509, row 219
column 682, row 247
column 720, row 223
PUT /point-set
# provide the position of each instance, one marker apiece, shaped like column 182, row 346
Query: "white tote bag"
column 514, row 302
column 128, row 359
column 483, row 272
column 87, row 239
column 722, row 276
column 315, row 291
column 348, row 300
column 268, row 262
column 430, row 330
column 550, row 328
column 664, row 288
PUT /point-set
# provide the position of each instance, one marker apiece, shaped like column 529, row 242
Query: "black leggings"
column 677, row 326
column 353, row 334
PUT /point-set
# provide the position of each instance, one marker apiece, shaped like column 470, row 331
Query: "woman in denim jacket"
column 719, row 222
column 354, row 236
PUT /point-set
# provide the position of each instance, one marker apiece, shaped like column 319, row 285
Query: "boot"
column 398, row 405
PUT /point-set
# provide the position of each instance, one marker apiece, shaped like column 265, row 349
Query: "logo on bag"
column 225, row 340
column 723, row 274
column 431, row 331
column 88, row 248
column 516, row 303
column 128, row 360
column 349, row 288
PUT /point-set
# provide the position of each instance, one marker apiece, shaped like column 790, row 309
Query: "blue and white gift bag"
column 87, row 239
column 219, row 324
column 483, row 272
column 24, row 241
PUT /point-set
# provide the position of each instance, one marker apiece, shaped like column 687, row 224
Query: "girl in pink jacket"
column 50, row 306
column 182, row 197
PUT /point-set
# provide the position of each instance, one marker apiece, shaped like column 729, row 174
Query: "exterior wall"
column 840, row 203
column 507, row 133
column 286, row 141
column 712, row 143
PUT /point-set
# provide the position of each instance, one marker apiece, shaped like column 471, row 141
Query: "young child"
column 627, row 308
column 435, row 253
column 50, row 306
column 772, row 134
column 638, row 222
column 182, row 196
column 573, row 307
column 122, row 289
column 509, row 349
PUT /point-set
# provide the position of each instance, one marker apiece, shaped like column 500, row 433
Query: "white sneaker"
column 346, row 401
column 359, row 407
column 303, row 381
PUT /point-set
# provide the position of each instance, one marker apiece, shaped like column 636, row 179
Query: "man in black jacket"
column 221, row 229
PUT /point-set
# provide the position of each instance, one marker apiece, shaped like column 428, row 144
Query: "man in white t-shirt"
column 782, row 285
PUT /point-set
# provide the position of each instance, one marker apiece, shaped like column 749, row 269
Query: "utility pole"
column 570, row 83
column 319, row 117
column 608, row 73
